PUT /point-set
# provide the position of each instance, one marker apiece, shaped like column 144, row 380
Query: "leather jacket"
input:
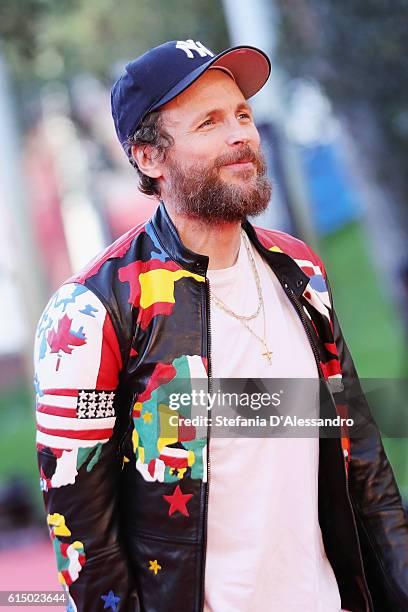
column 111, row 345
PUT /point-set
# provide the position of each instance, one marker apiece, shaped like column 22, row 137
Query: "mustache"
column 245, row 153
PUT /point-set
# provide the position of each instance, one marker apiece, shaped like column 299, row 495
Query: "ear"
column 148, row 162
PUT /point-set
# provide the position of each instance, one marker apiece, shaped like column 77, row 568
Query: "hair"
column 150, row 132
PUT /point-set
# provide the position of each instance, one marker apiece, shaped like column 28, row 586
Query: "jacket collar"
column 169, row 239
column 283, row 265
column 285, row 268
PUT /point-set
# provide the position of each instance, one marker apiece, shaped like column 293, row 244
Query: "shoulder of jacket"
column 116, row 250
column 300, row 251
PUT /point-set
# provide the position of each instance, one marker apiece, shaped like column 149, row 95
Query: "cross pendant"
column 268, row 356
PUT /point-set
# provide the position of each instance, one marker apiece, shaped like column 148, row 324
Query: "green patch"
column 158, row 429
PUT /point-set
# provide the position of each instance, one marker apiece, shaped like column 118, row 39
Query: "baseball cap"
column 162, row 73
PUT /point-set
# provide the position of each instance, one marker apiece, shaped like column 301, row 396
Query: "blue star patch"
column 110, row 600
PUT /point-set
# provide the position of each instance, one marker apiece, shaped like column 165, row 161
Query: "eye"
column 244, row 115
column 206, row 123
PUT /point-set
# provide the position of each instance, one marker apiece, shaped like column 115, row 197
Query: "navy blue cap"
column 162, row 73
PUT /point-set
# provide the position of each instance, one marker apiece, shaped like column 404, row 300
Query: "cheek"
column 255, row 138
column 198, row 153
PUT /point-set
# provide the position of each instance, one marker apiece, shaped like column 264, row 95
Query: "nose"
column 239, row 134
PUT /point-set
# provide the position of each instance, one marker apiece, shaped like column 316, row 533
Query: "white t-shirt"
column 264, row 543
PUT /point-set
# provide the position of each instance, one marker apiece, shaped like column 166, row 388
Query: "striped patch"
column 79, row 418
column 71, row 425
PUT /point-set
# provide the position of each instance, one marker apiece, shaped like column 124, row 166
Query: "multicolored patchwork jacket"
column 126, row 492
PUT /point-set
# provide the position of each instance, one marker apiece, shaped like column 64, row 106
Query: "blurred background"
column 334, row 124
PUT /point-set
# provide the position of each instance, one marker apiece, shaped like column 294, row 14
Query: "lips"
column 241, row 161
column 241, row 165
column 245, row 158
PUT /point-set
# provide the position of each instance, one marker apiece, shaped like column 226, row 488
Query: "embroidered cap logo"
column 188, row 46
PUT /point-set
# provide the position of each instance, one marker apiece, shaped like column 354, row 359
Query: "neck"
column 220, row 242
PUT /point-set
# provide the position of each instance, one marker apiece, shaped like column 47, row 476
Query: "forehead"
column 214, row 87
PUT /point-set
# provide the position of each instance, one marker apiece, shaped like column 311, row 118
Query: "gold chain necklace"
column 267, row 353
column 244, row 318
column 222, row 304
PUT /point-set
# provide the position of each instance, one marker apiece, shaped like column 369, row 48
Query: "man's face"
column 214, row 171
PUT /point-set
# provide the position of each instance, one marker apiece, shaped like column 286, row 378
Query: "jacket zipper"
column 291, row 296
column 209, row 365
column 299, row 310
column 298, row 307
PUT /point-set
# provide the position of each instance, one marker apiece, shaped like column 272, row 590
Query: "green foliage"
column 20, row 23
column 358, row 53
column 357, row 49
column 54, row 38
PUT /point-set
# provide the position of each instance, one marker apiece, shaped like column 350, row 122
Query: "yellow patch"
column 158, row 285
column 162, row 442
column 135, row 440
column 168, row 428
column 57, row 522
column 276, row 249
column 147, row 417
column 190, row 458
column 154, row 566
column 137, row 407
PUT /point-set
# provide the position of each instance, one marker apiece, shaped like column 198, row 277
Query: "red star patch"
column 178, row 501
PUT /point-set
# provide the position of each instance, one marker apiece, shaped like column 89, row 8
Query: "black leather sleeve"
column 77, row 362
column 380, row 516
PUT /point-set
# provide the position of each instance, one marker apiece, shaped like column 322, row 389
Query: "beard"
column 200, row 193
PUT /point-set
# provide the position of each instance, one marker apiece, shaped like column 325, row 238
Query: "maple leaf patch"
column 64, row 338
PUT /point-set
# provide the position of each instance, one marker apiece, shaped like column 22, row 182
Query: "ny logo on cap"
column 189, row 46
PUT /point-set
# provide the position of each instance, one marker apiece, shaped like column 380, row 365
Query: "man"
column 151, row 513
